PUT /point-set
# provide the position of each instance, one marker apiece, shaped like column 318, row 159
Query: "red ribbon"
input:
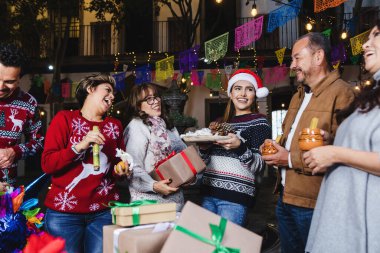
column 161, row 162
column 184, row 156
column 165, row 159
column 187, row 160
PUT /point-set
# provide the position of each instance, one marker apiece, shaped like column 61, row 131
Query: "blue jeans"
column 231, row 211
column 293, row 224
column 82, row 232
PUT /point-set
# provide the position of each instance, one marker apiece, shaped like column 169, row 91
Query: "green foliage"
column 182, row 120
column 102, row 7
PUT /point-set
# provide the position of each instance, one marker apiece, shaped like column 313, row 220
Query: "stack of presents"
column 146, row 226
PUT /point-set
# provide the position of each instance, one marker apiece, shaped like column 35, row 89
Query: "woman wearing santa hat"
column 228, row 183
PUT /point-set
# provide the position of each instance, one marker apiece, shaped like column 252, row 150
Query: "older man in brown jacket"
column 321, row 94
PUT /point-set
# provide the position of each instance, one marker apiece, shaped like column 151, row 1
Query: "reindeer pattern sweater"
column 230, row 174
column 19, row 115
column 76, row 186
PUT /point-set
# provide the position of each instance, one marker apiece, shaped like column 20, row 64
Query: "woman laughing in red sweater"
column 78, row 191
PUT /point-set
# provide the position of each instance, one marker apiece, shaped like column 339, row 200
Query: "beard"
column 304, row 76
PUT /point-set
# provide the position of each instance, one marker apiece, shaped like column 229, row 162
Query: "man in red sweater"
column 18, row 115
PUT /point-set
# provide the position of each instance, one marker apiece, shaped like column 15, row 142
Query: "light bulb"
column 309, row 26
column 254, row 10
column 344, row 35
column 218, row 1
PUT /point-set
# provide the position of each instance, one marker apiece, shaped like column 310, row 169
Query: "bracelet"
column 74, row 150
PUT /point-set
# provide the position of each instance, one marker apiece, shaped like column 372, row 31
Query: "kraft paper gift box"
column 193, row 233
column 142, row 212
column 180, row 168
column 139, row 239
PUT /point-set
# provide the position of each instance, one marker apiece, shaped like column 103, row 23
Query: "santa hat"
column 250, row 76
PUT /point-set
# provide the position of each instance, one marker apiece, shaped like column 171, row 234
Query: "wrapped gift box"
column 143, row 214
column 180, row 168
column 197, row 220
column 140, row 239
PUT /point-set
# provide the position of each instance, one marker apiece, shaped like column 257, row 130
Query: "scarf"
column 160, row 143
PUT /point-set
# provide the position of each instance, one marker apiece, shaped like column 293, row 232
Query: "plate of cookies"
column 216, row 132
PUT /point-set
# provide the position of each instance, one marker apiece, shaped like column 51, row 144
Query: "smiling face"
column 150, row 103
column 243, row 96
column 303, row 61
column 9, row 80
column 372, row 51
column 101, row 97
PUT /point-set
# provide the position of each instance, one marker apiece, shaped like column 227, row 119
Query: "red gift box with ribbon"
column 180, row 168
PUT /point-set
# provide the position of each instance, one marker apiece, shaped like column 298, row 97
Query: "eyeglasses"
column 150, row 100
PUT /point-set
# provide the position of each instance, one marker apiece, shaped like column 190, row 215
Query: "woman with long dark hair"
column 149, row 138
column 228, row 183
column 346, row 217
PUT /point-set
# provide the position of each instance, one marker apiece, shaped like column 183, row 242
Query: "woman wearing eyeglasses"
column 149, row 138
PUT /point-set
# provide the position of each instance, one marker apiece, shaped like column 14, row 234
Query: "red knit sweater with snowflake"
column 76, row 186
column 19, row 116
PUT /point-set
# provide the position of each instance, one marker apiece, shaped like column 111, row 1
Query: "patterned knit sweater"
column 230, row 174
column 138, row 139
column 76, row 186
column 19, row 115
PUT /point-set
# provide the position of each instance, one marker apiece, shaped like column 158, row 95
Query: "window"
column 101, row 36
column 277, row 119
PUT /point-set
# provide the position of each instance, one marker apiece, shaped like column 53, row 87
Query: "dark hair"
column 91, row 81
column 319, row 41
column 231, row 111
column 12, row 56
column 367, row 99
column 135, row 99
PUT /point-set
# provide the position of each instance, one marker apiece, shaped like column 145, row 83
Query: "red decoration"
column 66, row 90
column 44, row 243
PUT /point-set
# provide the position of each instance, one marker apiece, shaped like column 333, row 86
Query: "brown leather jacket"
column 331, row 94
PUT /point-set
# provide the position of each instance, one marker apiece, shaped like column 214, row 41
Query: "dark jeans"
column 293, row 224
column 82, row 232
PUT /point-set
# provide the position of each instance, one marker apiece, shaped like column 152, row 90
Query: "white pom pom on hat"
column 250, row 76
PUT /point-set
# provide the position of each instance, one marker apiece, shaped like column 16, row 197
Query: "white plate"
column 204, row 138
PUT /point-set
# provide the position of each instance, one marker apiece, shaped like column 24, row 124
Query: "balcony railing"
column 283, row 36
column 100, row 39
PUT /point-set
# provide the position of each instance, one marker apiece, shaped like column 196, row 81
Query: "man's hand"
column 326, row 137
column 278, row 159
column 7, row 156
column 4, row 186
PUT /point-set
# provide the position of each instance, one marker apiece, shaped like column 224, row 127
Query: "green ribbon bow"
column 217, row 234
column 135, row 209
